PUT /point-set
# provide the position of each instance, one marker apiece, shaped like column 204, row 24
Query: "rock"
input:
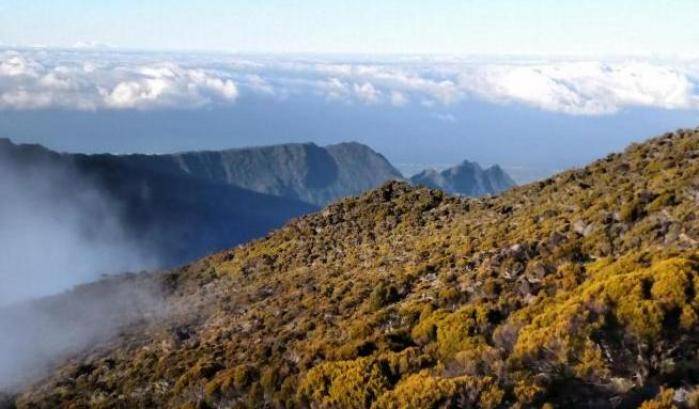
column 622, row 385
column 582, row 228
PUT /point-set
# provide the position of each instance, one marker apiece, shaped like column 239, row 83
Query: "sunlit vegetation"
column 576, row 291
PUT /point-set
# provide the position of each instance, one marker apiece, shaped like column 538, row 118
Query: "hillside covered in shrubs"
column 580, row 291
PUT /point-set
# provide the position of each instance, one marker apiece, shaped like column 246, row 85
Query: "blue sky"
column 549, row 27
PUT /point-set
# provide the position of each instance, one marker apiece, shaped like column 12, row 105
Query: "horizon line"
column 262, row 53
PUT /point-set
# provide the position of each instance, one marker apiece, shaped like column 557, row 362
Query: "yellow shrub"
column 343, row 384
column 641, row 300
column 423, row 390
column 662, row 401
column 453, row 331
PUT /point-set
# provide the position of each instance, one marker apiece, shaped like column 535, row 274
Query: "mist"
column 40, row 334
column 59, row 230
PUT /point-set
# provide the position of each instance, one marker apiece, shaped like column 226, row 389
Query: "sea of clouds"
column 110, row 79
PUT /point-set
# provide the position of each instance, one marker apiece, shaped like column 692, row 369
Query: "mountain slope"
column 178, row 216
column 304, row 172
column 467, row 178
column 576, row 291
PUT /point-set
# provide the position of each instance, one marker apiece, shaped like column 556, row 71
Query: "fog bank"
column 38, row 334
column 58, row 230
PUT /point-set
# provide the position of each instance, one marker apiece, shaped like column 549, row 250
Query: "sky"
column 492, row 27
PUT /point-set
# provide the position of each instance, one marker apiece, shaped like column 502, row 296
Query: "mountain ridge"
column 299, row 171
column 311, row 173
column 160, row 209
column 467, row 178
column 290, row 179
column 574, row 291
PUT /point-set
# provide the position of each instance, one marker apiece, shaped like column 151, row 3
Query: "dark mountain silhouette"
column 467, row 179
column 178, row 216
column 187, row 204
column 304, row 172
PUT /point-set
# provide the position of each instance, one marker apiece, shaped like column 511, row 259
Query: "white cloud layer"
column 31, row 80
column 110, row 79
column 587, row 88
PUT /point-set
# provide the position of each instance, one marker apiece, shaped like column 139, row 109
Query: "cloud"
column 398, row 99
column 584, row 88
column 52, row 215
column 389, row 79
column 449, row 118
column 91, row 79
column 366, row 93
column 90, row 45
column 15, row 65
column 569, row 87
column 27, row 82
column 168, row 86
column 259, row 84
column 333, row 89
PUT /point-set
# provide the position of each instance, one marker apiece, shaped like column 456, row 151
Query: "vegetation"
column 576, row 291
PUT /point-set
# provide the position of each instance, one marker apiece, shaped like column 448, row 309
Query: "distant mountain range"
column 305, row 172
column 179, row 216
column 467, row 179
column 189, row 204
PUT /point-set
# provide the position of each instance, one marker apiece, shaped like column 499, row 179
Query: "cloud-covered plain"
column 112, row 79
